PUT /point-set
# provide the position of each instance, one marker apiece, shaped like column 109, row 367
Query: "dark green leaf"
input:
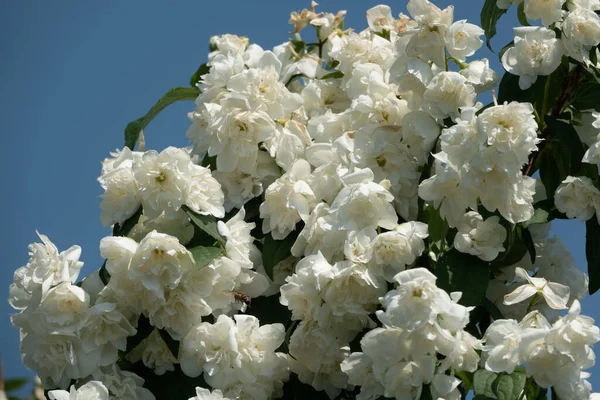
column 528, row 240
column 128, row 225
column 299, row 46
column 275, row 251
column 206, row 223
column 132, row 131
column 202, row 70
column 514, row 251
column 333, row 75
column 587, row 97
column 521, row 15
column 15, row 383
column 171, row 385
column 458, row 272
column 592, row 253
column 490, row 14
column 426, row 393
column 104, row 275
column 438, row 227
column 172, row 344
column 144, row 329
column 270, row 311
column 561, row 156
column 491, row 308
column 296, row 390
column 482, row 383
column 204, row 255
column 509, row 387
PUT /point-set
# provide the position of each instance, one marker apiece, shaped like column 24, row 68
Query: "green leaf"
column 171, row 385
column 172, row 344
column 587, row 97
column 206, row 223
column 128, row 225
column 491, row 308
column 509, row 387
column 202, row 70
column 592, row 253
column 482, row 383
column 270, row 311
column 561, row 155
column 540, row 216
column 204, row 255
column 103, row 274
column 528, row 240
column 458, row 272
column 144, row 329
column 426, row 393
column 490, row 14
column 514, row 251
column 275, row 251
column 438, row 227
column 333, row 75
column 132, row 131
column 15, row 384
column 521, row 15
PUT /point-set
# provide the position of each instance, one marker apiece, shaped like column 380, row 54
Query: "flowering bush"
column 350, row 222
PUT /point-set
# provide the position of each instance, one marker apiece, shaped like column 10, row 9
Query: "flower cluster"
column 537, row 49
column 348, row 219
column 420, row 321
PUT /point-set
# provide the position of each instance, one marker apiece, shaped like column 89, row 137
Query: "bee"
column 242, row 298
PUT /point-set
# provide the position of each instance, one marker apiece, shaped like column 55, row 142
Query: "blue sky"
column 75, row 72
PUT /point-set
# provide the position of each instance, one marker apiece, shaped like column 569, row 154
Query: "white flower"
column 154, row 353
column 463, row 39
column 363, row 203
column 555, row 294
column 445, row 387
column 511, row 129
column 46, row 268
column 507, row 345
column 446, row 93
column 107, row 328
column 158, row 266
column 122, row 384
column 537, row 51
column 205, row 394
column 427, row 40
column 316, row 357
column 239, row 187
column 120, row 198
column 58, row 358
column 577, row 197
column 380, row 18
column 548, row 11
column 589, row 4
column 480, row 75
column 396, row 249
column 302, row 291
column 359, row 368
column 170, row 179
column 287, row 201
column 288, row 143
column 480, row 238
column 92, row 390
column 574, row 335
column 581, row 32
column 234, row 135
column 64, row 309
column 236, row 356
